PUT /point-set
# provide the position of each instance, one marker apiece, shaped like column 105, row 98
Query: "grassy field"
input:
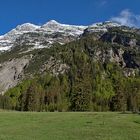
column 69, row 126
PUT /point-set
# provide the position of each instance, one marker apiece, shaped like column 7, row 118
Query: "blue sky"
column 81, row 12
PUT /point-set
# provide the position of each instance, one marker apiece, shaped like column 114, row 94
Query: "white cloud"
column 128, row 18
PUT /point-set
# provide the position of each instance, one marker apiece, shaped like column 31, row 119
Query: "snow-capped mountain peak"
column 52, row 22
column 102, row 26
column 105, row 24
column 7, row 40
column 50, row 33
column 54, row 26
column 20, row 29
column 27, row 27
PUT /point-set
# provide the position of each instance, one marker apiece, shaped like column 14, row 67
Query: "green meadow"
column 69, row 126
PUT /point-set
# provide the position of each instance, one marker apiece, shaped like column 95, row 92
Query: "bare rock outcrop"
column 11, row 72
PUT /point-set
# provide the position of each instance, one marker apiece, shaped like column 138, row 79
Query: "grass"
column 69, row 126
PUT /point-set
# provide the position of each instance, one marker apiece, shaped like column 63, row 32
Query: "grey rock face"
column 11, row 73
column 56, row 67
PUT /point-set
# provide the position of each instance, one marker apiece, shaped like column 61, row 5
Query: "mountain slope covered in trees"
column 100, row 71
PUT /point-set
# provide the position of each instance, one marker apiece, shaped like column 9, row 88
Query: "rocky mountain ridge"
column 47, row 34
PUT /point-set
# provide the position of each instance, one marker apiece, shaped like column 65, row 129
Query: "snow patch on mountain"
column 53, row 26
column 102, row 26
column 19, row 30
